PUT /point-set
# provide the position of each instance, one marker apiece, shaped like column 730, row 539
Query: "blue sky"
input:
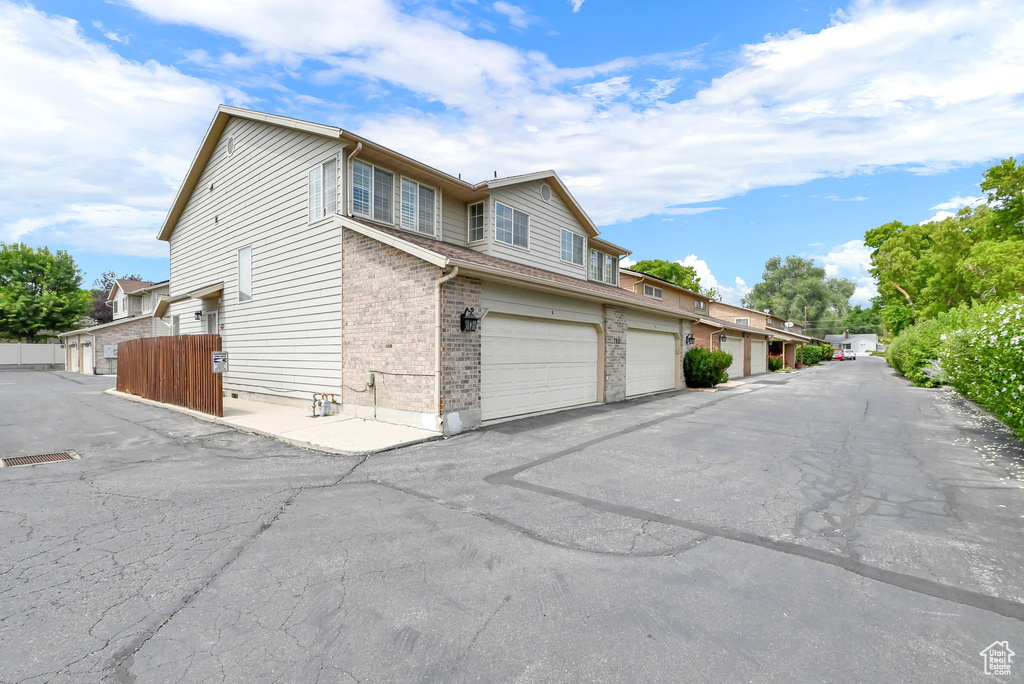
column 716, row 134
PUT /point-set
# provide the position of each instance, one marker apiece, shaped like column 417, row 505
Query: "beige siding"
column 521, row 302
column 455, row 222
column 547, row 219
column 287, row 339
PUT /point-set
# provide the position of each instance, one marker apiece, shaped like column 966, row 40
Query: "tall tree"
column 39, row 291
column 796, row 289
column 100, row 290
column 674, row 272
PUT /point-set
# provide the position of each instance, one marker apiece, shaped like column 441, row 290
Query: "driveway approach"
column 831, row 525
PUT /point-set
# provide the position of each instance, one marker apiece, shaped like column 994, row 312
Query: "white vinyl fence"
column 17, row 354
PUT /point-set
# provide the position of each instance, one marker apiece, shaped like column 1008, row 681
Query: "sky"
column 714, row 134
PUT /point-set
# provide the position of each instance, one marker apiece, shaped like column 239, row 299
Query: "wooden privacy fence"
column 173, row 370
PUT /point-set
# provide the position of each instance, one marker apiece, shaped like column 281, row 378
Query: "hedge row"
column 979, row 351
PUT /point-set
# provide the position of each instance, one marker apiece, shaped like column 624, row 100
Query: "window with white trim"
column 742, row 321
column 572, row 247
column 417, row 207
column 245, row 274
column 596, row 265
column 372, row 191
column 611, row 269
column 652, row 291
column 700, row 305
column 114, row 306
column 323, row 190
column 511, row 226
column 476, row 222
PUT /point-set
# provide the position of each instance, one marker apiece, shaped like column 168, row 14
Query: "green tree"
column 796, row 289
column 672, row 271
column 1004, row 185
column 39, row 292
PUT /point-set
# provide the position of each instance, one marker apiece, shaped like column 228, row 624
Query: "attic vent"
column 545, row 192
column 231, row 145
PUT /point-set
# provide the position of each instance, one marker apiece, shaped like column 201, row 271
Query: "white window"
column 372, row 191
column 476, row 222
column 596, row 265
column 417, row 207
column 211, row 323
column 652, row 291
column 700, row 304
column 742, row 321
column 572, row 247
column 611, row 269
column 245, row 274
column 323, row 190
column 175, row 325
column 114, row 307
column 511, row 226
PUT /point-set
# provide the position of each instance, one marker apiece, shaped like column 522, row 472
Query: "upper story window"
column 245, row 274
column 114, row 306
column 700, row 305
column 372, row 192
column 476, row 222
column 604, row 267
column 511, row 226
column 572, row 247
column 652, row 291
column 742, row 321
column 417, row 207
column 323, row 190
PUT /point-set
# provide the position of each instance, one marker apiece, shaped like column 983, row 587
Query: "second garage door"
column 650, row 362
column 528, row 365
column 758, row 356
column 734, row 346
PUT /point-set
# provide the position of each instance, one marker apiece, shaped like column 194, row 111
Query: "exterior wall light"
column 198, row 315
column 468, row 321
column 690, row 339
column 87, row 343
column 723, row 338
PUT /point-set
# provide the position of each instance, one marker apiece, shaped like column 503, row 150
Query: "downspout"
column 437, row 340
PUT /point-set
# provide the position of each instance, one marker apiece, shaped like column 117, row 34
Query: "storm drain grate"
column 39, row 458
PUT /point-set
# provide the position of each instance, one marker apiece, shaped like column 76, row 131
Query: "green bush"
column 808, row 354
column 915, row 351
column 774, row 363
column 705, row 368
column 827, row 350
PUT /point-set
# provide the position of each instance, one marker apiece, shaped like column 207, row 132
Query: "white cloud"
column 110, row 35
column 576, row 5
column 939, row 216
column 957, row 202
column 731, row 294
column 93, row 146
column 516, row 15
column 852, row 260
column 836, row 198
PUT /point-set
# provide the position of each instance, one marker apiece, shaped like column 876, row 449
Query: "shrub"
column 826, row 351
column 705, row 368
column 774, row 363
column 809, row 354
column 915, row 351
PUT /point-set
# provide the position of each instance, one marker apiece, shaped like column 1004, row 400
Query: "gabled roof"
column 711, row 320
column 133, row 286
column 370, row 150
column 641, row 274
column 471, row 262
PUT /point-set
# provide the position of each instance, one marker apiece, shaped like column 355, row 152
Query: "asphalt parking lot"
column 831, row 525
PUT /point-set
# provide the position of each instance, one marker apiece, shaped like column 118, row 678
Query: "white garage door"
column 650, row 362
column 529, row 365
column 758, row 356
column 734, row 346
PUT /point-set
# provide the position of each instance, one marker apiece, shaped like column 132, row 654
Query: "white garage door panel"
column 529, row 365
column 758, row 357
column 734, row 346
column 650, row 362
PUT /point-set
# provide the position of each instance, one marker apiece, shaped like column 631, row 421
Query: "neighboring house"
column 328, row 263
column 130, row 298
column 784, row 336
column 748, row 345
column 859, row 342
column 92, row 350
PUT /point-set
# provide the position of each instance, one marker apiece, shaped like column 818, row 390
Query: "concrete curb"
column 263, row 433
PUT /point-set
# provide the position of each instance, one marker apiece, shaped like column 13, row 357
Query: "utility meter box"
column 110, row 351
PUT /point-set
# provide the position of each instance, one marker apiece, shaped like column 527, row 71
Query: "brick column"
column 614, row 353
column 746, row 354
column 460, row 356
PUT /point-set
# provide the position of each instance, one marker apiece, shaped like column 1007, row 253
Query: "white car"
column 849, row 355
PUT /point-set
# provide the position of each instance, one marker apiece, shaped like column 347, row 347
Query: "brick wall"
column 131, row 329
column 746, row 354
column 388, row 325
column 460, row 355
column 706, row 335
column 614, row 353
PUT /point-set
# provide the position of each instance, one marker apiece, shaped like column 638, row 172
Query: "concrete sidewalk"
column 338, row 434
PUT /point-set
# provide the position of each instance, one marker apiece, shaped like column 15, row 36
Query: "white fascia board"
column 392, row 241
